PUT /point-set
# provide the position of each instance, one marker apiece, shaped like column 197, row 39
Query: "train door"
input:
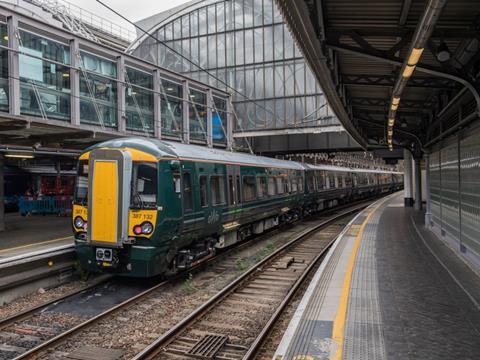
column 190, row 215
column 234, row 198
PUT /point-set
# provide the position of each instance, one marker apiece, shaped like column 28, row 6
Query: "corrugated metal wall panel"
column 450, row 196
column 435, row 187
column 470, row 200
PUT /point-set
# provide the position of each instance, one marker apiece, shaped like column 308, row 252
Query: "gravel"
column 133, row 328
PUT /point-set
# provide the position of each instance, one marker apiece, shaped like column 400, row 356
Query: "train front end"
column 115, row 210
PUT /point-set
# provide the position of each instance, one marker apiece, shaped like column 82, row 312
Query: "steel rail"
column 91, row 321
column 159, row 344
column 36, row 309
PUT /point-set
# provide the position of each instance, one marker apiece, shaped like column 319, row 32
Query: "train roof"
column 175, row 150
column 348, row 169
column 170, row 149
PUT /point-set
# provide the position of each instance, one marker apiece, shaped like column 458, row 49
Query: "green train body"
column 176, row 204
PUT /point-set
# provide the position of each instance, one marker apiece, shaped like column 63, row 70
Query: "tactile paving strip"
column 363, row 327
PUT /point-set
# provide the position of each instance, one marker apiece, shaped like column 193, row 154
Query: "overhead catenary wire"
column 201, row 68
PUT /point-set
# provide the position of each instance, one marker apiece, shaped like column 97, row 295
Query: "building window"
column 262, row 186
column 138, row 100
column 217, row 188
column 249, row 188
column 44, row 84
column 4, row 90
column 203, row 191
column 171, row 108
column 219, row 120
column 98, row 91
column 198, row 115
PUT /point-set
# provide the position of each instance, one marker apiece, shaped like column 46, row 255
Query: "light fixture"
column 443, row 53
column 396, row 100
column 5, row 38
column 415, row 56
column 169, row 89
column 20, row 156
column 394, row 107
column 66, row 74
column 391, row 122
column 408, row 71
column 390, row 133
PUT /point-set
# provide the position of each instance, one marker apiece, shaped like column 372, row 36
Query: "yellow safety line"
column 340, row 317
column 31, row 245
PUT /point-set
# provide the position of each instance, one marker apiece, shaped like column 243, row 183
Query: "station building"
column 246, row 49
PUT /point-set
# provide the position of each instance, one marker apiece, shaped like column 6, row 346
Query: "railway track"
column 39, row 336
column 234, row 323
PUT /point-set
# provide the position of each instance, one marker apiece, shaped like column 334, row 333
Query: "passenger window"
column 187, row 192
column 286, row 183
column 231, row 190
column 280, row 185
column 238, row 190
column 294, row 185
column 271, row 186
column 217, row 189
column 262, row 186
column 248, row 188
column 203, row 191
column 331, row 181
column 300, row 184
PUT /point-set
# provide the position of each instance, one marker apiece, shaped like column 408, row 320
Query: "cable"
column 183, row 56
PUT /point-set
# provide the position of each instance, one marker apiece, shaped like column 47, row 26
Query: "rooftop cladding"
column 245, row 44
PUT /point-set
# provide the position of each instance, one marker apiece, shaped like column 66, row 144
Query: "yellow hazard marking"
column 105, row 201
column 137, row 155
column 340, row 317
column 36, row 244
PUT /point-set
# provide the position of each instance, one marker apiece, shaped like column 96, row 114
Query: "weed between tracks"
column 188, row 285
column 242, row 264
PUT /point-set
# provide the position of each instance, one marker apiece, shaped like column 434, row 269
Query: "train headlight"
column 137, row 230
column 147, row 228
column 78, row 222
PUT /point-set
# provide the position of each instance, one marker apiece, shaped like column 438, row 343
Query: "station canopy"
column 396, row 72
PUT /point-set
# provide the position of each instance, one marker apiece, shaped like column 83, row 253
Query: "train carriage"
column 144, row 206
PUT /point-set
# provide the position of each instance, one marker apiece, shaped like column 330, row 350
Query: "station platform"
column 387, row 289
column 34, row 234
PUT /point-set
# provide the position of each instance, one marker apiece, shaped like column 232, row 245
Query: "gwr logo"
column 213, row 217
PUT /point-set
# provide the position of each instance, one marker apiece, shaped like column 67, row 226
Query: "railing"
column 88, row 18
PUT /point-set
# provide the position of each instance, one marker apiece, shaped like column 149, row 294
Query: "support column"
column 428, row 212
column 186, row 112
column 2, row 194
column 157, row 105
column 418, row 184
column 209, row 118
column 13, row 66
column 407, row 178
column 74, row 83
column 229, row 125
column 121, row 116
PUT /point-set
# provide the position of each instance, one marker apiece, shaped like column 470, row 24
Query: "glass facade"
column 198, row 115
column 98, row 91
column 171, row 108
column 58, row 76
column 3, row 69
column 245, row 44
column 138, row 100
column 44, row 77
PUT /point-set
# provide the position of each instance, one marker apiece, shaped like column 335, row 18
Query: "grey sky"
column 133, row 10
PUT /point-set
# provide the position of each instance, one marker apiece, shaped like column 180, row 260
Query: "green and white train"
column 143, row 207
